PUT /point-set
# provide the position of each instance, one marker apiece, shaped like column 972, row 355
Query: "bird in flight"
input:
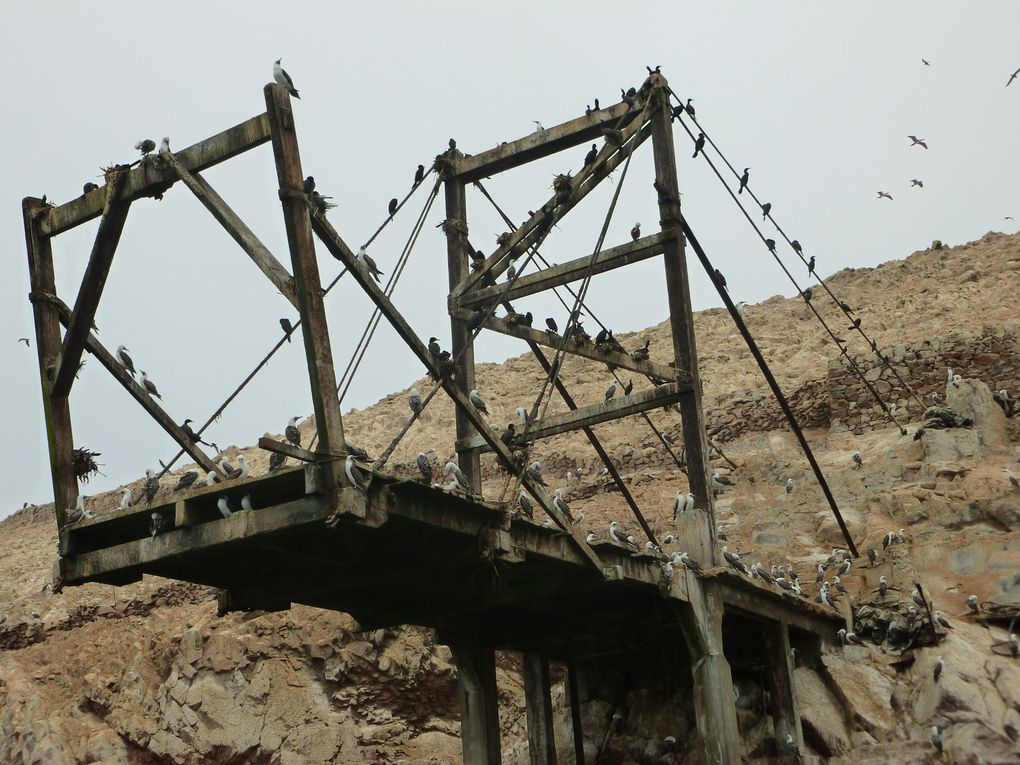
column 914, row 182
column 915, row 141
column 1012, row 77
column 884, row 195
column 926, row 63
column 25, row 341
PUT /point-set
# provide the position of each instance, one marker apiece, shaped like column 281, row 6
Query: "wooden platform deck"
column 407, row 553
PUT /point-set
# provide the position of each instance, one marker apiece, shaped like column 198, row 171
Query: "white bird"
column 291, row 432
column 888, row 539
column 901, row 537
column 354, row 476
column 477, row 402
column 246, row 502
column 668, row 539
column 539, row 128
column 791, row 745
column 124, row 359
column 618, row 536
column 883, row 586
column 789, row 485
column 457, row 477
column 211, row 478
column 243, row 466
column 369, row 263
column 942, row 620
column 282, row 78
column 149, row 386
column 679, row 504
column 561, row 504
column 592, row 537
column 972, row 604
column 957, row 379
column 949, row 375
column 125, row 501
column 689, row 503
column 740, row 308
column 521, row 414
column 164, row 145
column 224, row 507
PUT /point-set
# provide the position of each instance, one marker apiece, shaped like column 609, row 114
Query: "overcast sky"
column 817, row 98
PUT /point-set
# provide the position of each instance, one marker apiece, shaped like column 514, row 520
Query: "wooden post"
column 783, row 709
column 577, row 729
column 479, row 708
column 469, row 460
column 541, row 738
column 315, row 332
column 715, row 708
column 697, row 535
column 57, row 411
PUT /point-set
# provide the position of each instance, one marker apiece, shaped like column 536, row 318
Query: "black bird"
column 602, row 336
column 771, row 244
column 628, row 387
column 309, row 185
column 765, row 210
column 855, row 325
column 926, row 63
column 434, row 350
column 796, row 246
column 26, row 341
column 1012, row 77
column 807, row 295
column 186, row 480
column 393, row 206
column 677, row 111
column 719, row 278
column 597, row 107
column 476, row 320
column 698, row 145
column 507, row 436
column 276, row 460
column 873, row 556
column 743, row 180
column 635, row 232
column 810, row 263
column 551, row 324
column 453, row 144
column 846, row 307
column 146, row 146
column 191, row 434
column 419, row 174
column 653, row 71
column 288, row 328
column 689, row 108
column 526, row 320
column 590, row 156
column 90, row 186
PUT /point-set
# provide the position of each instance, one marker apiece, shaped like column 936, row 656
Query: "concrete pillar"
column 576, row 696
column 479, row 710
column 541, row 741
column 780, row 677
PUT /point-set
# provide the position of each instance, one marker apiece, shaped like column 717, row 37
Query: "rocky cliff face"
column 148, row 673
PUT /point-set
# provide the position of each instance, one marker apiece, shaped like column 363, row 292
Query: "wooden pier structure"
column 405, row 552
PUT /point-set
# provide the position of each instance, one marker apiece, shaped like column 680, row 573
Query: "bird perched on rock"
column 743, row 180
column 477, row 402
column 888, row 539
column 942, row 620
column 857, row 459
column 972, row 604
column 1012, row 479
column 936, row 671
column 915, row 141
column 721, row 482
column 789, row 485
column 936, row 739
column 883, row 586
column 282, row 78
column 873, row 556
column 291, row 432
column 367, row 261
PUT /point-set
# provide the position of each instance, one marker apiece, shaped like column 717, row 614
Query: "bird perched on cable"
column 765, row 210
column 699, row 145
column 526, row 505
column 151, row 486
column 811, row 265
column 287, row 327
column 291, row 432
column 635, row 232
column 743, row 180
column 392, row 207
column 146, row 146
column 149, row 386
column 187, row 479
column 771, row 244
column 369, row 263
column 282, row 78
column 592, row 154
column 477, row 402
column 424, row 467
column 915, row 141
column 419, row 175
column 689, row 107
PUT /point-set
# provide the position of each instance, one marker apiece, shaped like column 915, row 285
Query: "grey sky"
column 817, row 98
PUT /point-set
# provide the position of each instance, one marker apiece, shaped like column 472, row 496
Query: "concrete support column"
column 479, row 710
column 541, row 740
column 780, row 677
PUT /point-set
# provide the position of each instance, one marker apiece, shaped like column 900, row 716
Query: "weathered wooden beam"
column 57, row 412
column 538, row 710
column 698, row 535
column 587, row 349
column 92, row 284
column 315, row 330
column 140, row 395
column 339, row 249
column 783, row 706
column 479, row 701
column 152, row 175
column 575, row 700
column 162, row 549
column 611, row 156
column 571, row 271
column 281, row 447
column 460, row 334
column 236, row 227
column 539, row 144
column 586, row 416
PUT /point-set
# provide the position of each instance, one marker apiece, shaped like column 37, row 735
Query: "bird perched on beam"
column 359, row 454
column 424, row 467
column 124, row 359
column 458, row 478
column 126, row 499
column 146, row 146
column 734, row 560
column 354, row 476
column 282, row 78
column 366, row 260
column 89, row 187
column 635, row 232
column 611, row 391
column 477, row 402
column 291, row 432
column 151, row 486
column 191, row 434
column 276, row 460
column 187, row 479
column 560, row 504
column 534, row 471
column 224, row 507
column 157, row 524
column 618, row 536
column 592, row 154
column 149, row 386
column 526, row 505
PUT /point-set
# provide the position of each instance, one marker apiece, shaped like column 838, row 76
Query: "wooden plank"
column 538, row 710
column 281, row 447
column 587, row 350
column 697, row 535
column 586, row 416
column 236, row 227
column 166, row 547
column 571, row 271
column 92, row 284
column 783, row 706
column 57, row 412
column 140, row 395
column 479, row 701
column 315, row 330
column 610, row 157
column 339, row 249
column 152, row 176
column 539, row 144
column 461, row 347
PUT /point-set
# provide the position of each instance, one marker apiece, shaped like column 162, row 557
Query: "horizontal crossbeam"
column 586, row 416
column 288, row 450
column 571, row 271
column 539, row 144
column 585, row 349
column 151, row 175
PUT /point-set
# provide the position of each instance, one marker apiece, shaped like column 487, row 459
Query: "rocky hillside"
column 149, row 673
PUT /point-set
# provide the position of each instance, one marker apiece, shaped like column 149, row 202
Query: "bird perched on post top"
column 282, row 78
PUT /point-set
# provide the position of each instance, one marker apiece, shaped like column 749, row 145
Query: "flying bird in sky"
column 884, row 195
column 915, row 141
column 1012, row 77
column 914, row 182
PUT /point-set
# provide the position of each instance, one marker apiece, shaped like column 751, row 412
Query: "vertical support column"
column 57, row 411
column 456, row 249
column 715, row 708
column 479, row 710
column 697, row 535
column 780, row 678
column 541, row 738
column 574, row 689
column 308, row 286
